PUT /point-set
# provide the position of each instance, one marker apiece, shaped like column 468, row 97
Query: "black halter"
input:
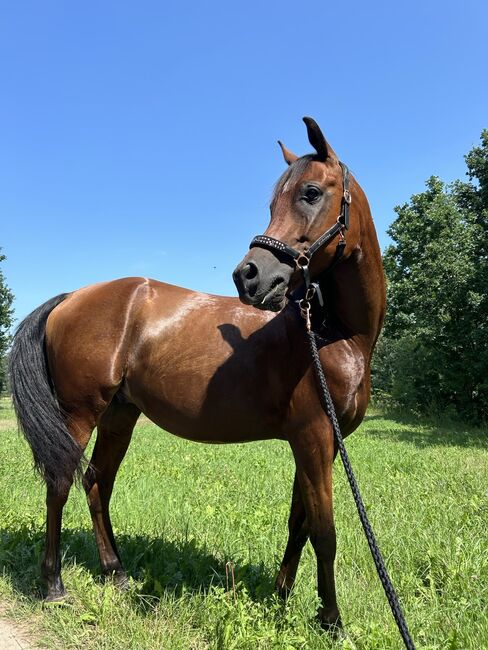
column 301, row 259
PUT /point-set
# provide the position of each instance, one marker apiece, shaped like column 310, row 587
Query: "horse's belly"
column 203, row 397
column 221, row 420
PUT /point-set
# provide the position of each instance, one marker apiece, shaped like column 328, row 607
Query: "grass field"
column 182, row 511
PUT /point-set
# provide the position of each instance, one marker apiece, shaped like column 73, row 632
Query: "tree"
column 434, row 350
column 6, row 313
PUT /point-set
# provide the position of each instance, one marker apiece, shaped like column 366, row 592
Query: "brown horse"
column 210, row 368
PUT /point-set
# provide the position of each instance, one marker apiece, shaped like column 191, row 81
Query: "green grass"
column 181, row 511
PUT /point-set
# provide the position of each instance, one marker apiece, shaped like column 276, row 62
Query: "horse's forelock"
column 290, row 175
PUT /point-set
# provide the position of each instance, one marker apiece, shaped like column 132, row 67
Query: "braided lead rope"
column 329, row 409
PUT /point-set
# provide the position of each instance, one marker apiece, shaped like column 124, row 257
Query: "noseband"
column 301, row 259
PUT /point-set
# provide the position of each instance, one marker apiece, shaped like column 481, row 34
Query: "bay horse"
column 210, row 368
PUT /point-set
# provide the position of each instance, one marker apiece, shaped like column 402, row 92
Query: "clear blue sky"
column 139, row 138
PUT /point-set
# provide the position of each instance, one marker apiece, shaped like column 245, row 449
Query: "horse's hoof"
column 340, row 634
column 283, row 594
column 56, row 596
column 284, row 583
column 283, row 591
column 120, row 580
column 333, row 627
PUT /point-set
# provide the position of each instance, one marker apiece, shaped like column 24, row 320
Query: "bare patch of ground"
column 14, row 636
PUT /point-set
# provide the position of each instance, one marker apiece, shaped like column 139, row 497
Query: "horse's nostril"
column 250, row 271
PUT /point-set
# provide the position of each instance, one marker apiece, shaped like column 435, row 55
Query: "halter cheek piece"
column 301, row 259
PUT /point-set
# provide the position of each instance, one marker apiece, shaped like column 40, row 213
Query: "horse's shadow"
column 157, row 565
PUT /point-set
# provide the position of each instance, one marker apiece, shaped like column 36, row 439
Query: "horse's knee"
column 324, row 544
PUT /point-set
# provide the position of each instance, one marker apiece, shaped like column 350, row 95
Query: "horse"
column 212, row 369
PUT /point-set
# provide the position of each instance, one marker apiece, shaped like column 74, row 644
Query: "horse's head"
column 306, row 203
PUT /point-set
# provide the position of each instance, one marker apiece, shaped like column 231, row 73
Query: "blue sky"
column 140, row 138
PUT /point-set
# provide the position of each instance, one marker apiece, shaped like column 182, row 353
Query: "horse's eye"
column 312, row 194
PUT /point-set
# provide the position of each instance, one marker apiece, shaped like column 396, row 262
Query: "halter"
column 301, row 259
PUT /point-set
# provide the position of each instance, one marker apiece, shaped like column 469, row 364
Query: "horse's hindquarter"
column 87, row 338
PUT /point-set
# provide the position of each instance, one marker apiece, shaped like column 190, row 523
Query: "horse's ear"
column 287, row 155
column 317, row 140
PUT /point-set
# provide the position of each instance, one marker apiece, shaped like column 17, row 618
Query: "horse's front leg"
column 297, row 537
column 313, row 450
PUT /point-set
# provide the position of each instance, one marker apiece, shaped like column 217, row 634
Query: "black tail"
column 57, row 456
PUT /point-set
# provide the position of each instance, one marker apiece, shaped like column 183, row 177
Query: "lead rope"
column 329, row 409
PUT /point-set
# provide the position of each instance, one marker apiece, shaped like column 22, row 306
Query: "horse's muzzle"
column 262, row 281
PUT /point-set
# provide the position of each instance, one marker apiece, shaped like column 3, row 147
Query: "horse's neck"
column 356, row 289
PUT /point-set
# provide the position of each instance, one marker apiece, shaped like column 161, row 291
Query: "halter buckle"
column 347, row 196
column 302, row 261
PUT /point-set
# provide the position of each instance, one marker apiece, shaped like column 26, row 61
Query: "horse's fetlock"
column 112, row 567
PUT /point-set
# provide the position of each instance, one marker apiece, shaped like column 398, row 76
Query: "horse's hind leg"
column 114, row 434
column 56, row 498
column 298, row 535
column 51, row 563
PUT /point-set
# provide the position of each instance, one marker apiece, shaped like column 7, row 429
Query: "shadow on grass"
column 425, row 432
column 160, row 566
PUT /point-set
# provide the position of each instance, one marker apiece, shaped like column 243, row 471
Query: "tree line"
column 6, row 315
column 433, row 352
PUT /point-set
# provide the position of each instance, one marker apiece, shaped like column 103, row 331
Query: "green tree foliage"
column 434, row 348
column 6, row 312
